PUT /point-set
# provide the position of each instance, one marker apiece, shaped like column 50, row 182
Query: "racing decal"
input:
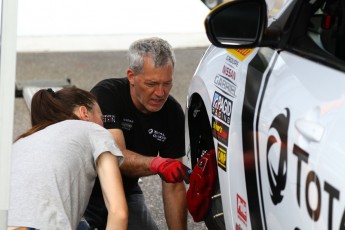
column 229, row 72
column 222, row 154
column 314, row 195
column 312, row 180
column 221, row 107
column 159, row 136
column 238, row 227
column 241, row 54
column 226, row 78
column 254, row 81
column 242, row 209
column 277, row 178
column 220, row 131
column 225, row 85
column 317, row 194
column 232, row 62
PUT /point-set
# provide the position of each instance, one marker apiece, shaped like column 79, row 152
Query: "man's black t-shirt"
column 160, row 133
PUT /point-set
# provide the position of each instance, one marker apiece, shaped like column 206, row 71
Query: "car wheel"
column 211, row 3
column 215, row 217
column 200, row 133
column 201, row 141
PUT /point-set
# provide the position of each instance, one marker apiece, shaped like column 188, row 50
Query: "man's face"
column 150, row 88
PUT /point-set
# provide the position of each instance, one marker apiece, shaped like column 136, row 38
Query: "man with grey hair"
column 147, row 123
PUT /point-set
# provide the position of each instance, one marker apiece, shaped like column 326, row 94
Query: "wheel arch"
column 199, row 127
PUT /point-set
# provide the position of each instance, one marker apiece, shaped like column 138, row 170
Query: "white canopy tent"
column 8, row 41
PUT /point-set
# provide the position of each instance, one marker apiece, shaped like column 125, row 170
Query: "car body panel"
column 275, row 111
column 221, row 80
column 310, row 112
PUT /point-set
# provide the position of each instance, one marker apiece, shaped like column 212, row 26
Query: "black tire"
column 201, row 141
column 215, row 218
column 200, row 133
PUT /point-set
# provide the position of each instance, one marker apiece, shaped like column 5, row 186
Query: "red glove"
column 170, row 170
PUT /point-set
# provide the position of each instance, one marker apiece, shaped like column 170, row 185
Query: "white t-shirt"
column 53, row 172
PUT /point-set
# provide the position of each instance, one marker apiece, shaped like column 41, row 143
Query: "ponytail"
column 49, row 107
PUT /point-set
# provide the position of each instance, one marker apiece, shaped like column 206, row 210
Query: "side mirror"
column 237, row 24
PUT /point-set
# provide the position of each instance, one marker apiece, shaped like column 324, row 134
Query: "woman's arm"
column 113, row 193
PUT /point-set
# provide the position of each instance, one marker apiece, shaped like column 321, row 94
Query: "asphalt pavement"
column 85, row 69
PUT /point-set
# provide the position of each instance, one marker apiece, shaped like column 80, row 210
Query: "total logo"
column 277, row 178
column 313, row 195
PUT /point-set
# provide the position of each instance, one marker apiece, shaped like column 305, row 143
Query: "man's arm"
column 134, row 165
column 175, row 209
column 137, row 165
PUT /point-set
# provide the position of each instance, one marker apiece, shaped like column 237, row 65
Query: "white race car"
column 265, row 117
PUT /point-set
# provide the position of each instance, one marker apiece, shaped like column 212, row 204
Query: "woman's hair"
column 49, row 107
column 158, row 49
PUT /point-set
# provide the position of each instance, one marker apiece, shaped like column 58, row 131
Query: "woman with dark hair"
column 54, row 165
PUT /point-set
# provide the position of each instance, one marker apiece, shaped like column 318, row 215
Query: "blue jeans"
column 83, row 225
column 139, row 217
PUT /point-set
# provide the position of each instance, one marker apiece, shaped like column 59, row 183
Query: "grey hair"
column 158, row 49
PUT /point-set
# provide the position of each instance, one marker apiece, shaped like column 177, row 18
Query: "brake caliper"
column 201, row 187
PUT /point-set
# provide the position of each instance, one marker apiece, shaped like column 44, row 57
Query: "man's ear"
column 83, row 113
column 130, row 76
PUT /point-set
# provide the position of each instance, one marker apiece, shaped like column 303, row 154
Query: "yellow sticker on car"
column 240, row 54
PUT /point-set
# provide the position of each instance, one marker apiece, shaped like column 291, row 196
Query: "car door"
column 299, row 144
column 278, row 129
column 298, row 133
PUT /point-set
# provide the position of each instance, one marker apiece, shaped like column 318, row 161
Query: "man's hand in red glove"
column 170, row 170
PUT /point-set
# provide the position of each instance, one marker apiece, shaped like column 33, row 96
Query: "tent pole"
column 7, row 92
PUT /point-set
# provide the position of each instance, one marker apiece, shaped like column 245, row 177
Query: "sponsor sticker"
column 220, row 131
column 238, row 226
column 232, row 62
column 221, row 107
column 225, row 85
column 229, row 72
column 241, row 54
column 242, row 209
column 222, row 157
